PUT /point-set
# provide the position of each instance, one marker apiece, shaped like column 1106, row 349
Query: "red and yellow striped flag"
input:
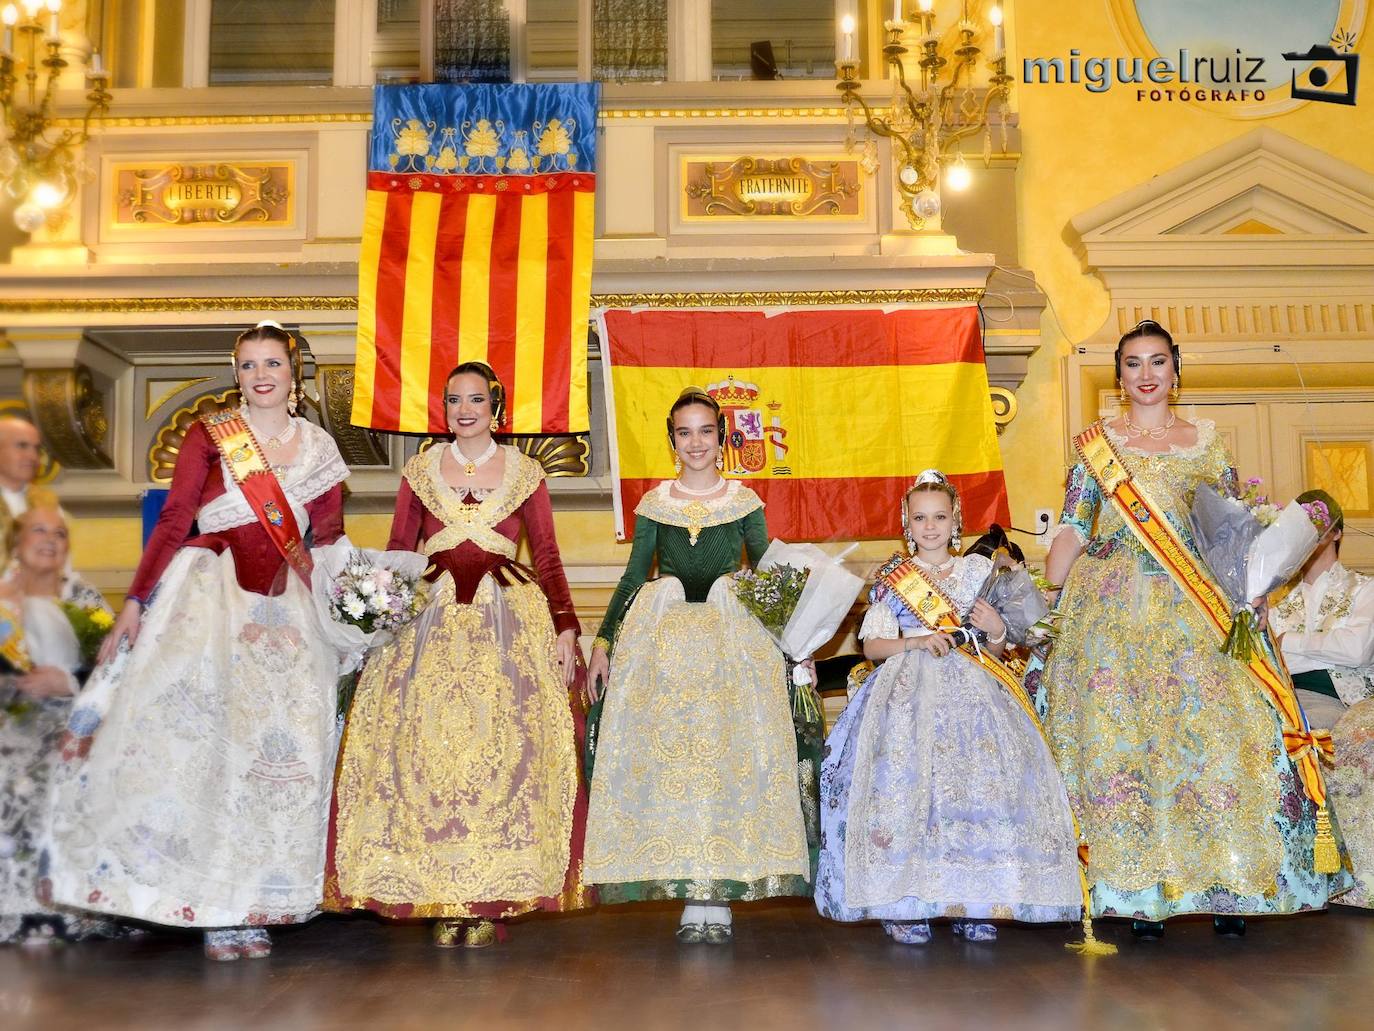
column 477, row 246
column 830, row 413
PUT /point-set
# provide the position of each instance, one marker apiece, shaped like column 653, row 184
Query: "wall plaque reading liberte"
column 219, row 193
column 821, row 188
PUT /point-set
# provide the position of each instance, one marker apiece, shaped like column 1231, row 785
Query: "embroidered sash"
column 261, row 489
column 1158, row 537
column 930, row 604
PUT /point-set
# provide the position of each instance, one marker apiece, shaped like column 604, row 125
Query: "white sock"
column 693, row 913
column 718, row 915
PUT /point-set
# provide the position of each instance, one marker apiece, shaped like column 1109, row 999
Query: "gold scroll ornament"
column 772, row 188
column 205, row 193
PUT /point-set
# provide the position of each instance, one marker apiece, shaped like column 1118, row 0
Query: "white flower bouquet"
column 825, row 598
column 1250, row 546
column 364, row 596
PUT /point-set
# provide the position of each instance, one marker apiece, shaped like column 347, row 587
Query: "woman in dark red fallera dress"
column 459, row 793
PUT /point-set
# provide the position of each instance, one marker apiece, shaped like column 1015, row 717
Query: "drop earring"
column 1121, row 395
column 292, row 403
column 910, row 542
column 720, row 459
column 677, row 465
column 494, row 423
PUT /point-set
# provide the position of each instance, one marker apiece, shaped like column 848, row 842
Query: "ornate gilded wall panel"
column 359, row 446
column 70, row 414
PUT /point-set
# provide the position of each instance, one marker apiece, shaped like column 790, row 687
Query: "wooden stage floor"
column 621, row 968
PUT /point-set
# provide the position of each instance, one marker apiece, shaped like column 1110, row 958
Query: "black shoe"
column 1229, row 926
column 1148, row 930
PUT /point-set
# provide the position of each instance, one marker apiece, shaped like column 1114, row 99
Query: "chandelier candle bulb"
column 847, row 27
column 9, row 16
column 999, row 42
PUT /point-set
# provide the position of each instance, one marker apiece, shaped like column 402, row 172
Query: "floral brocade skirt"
column 1350, row 789
column 195, row 773
column 1172, row 756
column 695, row 792
column 458, row 791
column 939, row 798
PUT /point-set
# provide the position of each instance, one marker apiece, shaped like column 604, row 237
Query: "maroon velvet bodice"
column 199, row 479
column 468, row 562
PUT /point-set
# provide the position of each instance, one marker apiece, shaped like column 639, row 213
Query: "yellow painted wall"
column 1080, row 149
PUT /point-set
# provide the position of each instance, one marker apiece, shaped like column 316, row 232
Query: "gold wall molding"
column 783, row 298
column 70, row 414
column 365, row 117
column 162, row 456
column 687, row 299
column 1004, row 406
column 168, row 392
column 155, row 305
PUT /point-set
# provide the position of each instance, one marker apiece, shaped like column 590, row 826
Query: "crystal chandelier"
column 40, row 165
column 925, row 123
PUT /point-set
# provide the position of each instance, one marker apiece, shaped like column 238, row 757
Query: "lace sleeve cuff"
column 879, row 624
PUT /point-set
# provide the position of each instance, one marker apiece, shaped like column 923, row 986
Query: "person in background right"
column 1325, row 626
column 1325, row 630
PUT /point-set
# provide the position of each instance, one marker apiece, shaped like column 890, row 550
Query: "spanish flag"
column 477, row 246
column 830, row 413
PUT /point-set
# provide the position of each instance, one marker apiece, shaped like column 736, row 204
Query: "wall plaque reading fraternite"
column 772, row 188
column 204, row 194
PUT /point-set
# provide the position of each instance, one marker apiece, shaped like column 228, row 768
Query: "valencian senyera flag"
column 477, row 246
column 830, row 413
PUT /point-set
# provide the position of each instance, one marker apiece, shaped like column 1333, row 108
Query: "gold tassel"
column 1326, row 858
column 1090, row 945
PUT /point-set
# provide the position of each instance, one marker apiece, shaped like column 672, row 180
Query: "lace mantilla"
column 317, row 468
column 462, row 520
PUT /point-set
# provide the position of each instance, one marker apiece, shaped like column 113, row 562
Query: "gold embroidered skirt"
column 1171, row 756
column 696, row 773
column 458, row 772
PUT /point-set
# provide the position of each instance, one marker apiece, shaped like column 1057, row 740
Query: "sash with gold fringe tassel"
column 933, row 607
column 1159, row 538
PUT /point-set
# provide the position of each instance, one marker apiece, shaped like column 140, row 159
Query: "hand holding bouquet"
column 1251, row 547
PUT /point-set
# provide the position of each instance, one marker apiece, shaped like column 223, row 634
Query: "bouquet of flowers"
column 801, row 595
column 1251, row 546
column 1013, row 592
column 91, row 624
column 364, row 596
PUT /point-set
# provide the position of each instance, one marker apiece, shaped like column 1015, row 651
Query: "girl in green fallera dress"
column 695, row 787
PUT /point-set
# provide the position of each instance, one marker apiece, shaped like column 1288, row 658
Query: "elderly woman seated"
column 50, row 622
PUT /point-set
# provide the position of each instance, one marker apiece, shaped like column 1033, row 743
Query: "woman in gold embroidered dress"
column 695, row 789
column 458, row 794
column 1172, row 756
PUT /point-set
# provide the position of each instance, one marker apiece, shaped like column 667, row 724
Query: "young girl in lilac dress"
column 939, row 796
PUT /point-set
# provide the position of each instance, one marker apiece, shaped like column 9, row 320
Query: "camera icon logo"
column 1320, row 78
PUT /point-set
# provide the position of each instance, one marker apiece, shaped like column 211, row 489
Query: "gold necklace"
column 1157, row 433
column 470, row 464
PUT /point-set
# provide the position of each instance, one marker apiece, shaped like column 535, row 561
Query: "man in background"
column 1325, row 627
column 21, row 457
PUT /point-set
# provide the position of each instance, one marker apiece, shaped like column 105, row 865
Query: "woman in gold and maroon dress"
column 459, row 793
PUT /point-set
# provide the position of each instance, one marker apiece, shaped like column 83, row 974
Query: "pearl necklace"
column 934, row 567
column 1158, row 433
column 280, row 440
column 470, row 465
column 699, row 493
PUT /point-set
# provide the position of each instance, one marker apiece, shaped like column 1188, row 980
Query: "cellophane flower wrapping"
column 364, row 595
column 1247, row 558
column 826, row 599
column 1013, row 592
